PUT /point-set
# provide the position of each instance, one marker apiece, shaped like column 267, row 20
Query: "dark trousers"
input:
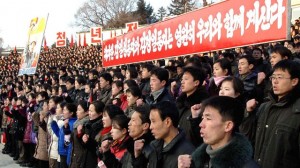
column 63, row 162
column 42, row 164
column 7, row 146
column 29, row 152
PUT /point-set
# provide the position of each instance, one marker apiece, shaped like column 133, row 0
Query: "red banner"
column 61, row 39
column 96, row 35
column 132, row 26
column 224, row 25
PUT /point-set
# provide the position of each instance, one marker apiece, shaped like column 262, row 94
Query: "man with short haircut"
column 105, row 81
column 145, row 82
column 158, row 83
column 248, row 75
column 70, row 96
column 277, row 133
column 138, row 128
column 169, row 143
column 192, row 93
column 223, row 145
column 260, row 65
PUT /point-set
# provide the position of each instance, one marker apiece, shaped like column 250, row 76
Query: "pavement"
column 6, row 161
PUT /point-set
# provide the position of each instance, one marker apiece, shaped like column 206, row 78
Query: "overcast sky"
column 15, row 16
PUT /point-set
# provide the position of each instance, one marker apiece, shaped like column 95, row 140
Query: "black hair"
column 224, row 64
column 29, row 87
column 197, row 73
column 56, row 99
column 148, row 66
column 44, row 95
column 130, row 83
column 33, row 96
column 63, row 88
column 135, row 91
column 62, row 104
column 120, row 121
column 143, row 112
column 229, row 108
column 258, row 49
column 81, row 80
column 249, row 59
column 195, row 61
column 167, row 109
column 161, row 73
column 20, row 88
column 118, row 84
column 72, row 108
column 112, row 110
column 133, row 72
column 99, row 106
column 70, row 80
column 237, row 83
column 293, row 68
column 106, row 76
column 84, row 104
column 24, row 100
column 283, row 51
column 228, row 55
column 118, row 75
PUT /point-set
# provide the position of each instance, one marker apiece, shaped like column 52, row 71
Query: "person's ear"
column 146, row 126
column 228, row 126
column 295, row 81
column 197, row 83
column 163, row 82
column 251, row 66
column 124, row 131
column 168, row 122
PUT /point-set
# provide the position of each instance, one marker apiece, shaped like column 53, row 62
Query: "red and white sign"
column 132, row 26
column 96, row 35
column 61, row 39
column 224, row 25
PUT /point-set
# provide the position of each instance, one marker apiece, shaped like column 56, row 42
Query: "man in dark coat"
column 277, row 133
column 192, row 93
column 145, row 82
column 223, row 145
column 158, row 84
column 169, row 143
column 71, row 93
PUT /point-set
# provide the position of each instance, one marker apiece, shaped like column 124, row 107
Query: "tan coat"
column 41, row 152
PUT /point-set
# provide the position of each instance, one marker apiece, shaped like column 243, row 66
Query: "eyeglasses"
column 277, row 78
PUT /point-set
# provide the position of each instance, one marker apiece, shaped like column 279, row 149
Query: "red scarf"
column 106, row 130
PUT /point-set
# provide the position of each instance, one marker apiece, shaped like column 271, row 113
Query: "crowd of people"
column 235, row 108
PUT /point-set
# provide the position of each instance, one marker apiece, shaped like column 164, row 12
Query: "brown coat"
column 41, row 152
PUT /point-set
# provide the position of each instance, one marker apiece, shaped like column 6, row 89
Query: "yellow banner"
column 31, row 53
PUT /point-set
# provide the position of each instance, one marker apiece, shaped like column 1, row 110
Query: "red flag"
column 91, row 97
column 79, row 41
column 111, row 34
column 45, row 44
column 115, row 33
column 84, row 41
column 72, row 42
column 15, row 50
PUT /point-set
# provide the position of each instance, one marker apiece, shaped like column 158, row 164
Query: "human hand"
column 184, row 161
column 196, row 109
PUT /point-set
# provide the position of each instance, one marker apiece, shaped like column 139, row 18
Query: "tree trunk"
column 204, row 3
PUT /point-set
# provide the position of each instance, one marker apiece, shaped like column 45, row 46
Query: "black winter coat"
column 237, row 154
column 277, row 133
column 164, row 96
column 92, row 128
column 166, row 157
column 184, row 105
